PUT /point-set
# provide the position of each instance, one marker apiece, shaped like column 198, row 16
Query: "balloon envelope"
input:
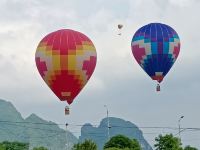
column 156, row 47
column 66, row 60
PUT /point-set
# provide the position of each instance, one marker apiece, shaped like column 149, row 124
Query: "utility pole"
column 179, row 126
column 67, row 144
column 108, row 123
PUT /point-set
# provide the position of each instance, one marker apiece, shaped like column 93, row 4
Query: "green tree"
column 14, row 145
column 2, row 147
column 114, row 148
column 167, row 142
column 122, row 142
column 86, row 145
column 40, row 148
column 190, row 148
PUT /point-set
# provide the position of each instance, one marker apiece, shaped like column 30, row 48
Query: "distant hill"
column 118, row 126
column 39, row 132
column 33, row 130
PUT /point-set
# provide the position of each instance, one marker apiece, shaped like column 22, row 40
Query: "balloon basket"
column 67, row 112
column 158, row 88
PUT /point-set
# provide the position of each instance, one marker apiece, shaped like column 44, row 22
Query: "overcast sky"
column 117, row 81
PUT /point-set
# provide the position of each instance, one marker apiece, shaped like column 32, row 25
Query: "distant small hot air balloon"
column 156, row 47
column 66, row 60
column 120, row 26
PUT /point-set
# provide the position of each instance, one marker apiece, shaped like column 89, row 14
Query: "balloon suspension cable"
column 158, row 87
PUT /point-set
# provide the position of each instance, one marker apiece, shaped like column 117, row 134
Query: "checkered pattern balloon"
column 66, row 60
column 156, row 47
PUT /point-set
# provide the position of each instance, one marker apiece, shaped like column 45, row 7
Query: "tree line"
column 121, row 142
column 118, row 142
column 18, row 146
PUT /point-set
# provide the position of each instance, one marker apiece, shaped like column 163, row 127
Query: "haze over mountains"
column 39, row 132
column 117, row 126
column 32, row 130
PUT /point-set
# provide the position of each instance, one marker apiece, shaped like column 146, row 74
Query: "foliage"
column 114, row 148
column 2, row 147
column 86, row 145
column 13, row 146
column 122, row 142
column 190, row 148
column 40, row 148
column 167, row 142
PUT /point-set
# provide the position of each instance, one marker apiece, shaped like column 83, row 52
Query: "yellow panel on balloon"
column 56, row 62
column 71, row 62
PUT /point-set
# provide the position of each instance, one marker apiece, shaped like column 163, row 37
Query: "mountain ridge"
column 38, row 132
column 32, row 129
column 117, row 126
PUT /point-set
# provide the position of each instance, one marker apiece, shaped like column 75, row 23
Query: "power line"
column 30, row 122
column 17, row 123
column 112, row 126
column 104, row 126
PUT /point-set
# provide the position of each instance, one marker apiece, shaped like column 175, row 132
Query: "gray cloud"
column 117, row 81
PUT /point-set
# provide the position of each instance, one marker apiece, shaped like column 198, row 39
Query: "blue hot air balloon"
column 156, row 47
